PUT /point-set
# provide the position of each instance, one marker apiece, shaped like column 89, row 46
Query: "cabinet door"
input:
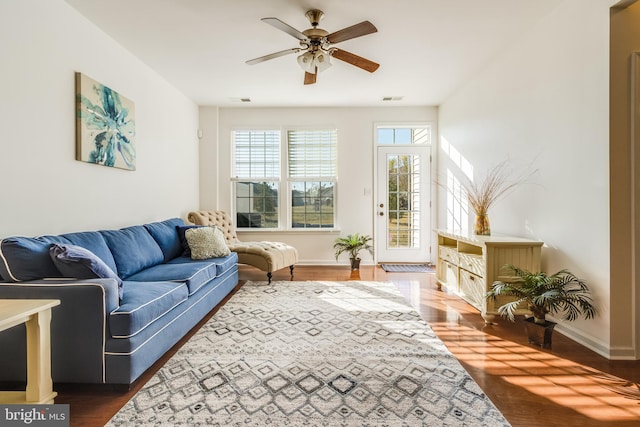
column 447, row 274
column 472, row 289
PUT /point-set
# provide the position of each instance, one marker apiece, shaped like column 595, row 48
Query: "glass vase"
column 481, row 225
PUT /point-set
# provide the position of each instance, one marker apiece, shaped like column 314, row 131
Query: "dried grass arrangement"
column 482, row 195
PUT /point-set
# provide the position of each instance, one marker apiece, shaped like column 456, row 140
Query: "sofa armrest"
column 78, row 328
column 33, row 289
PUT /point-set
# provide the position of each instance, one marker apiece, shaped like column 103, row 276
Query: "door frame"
column 432, row 208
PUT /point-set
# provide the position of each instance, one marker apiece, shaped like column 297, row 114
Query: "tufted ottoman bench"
column 267, row 256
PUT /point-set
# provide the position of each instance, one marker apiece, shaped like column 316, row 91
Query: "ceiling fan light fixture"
column 310, row 61
column 321, row 61
column 306, row 62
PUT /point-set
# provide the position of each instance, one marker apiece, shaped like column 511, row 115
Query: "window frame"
column 311, row 179
column 235, row 179
column 285, row 181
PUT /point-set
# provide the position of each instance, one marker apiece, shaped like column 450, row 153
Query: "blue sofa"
column 127, row 298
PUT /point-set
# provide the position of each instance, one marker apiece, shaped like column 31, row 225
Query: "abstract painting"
column 105, row 125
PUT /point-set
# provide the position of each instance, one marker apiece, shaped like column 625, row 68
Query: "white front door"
column 402, row 207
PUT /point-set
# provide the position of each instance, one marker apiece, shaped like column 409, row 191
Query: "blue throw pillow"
column 93, row 241
column 186, row 250
column 80, row 263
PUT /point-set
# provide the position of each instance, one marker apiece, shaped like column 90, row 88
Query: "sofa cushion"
column 195, row 274
column 133, row 249
column 206, row 243
column 222, row 264
column 93, row 241
column 144, row 303
column 166, row 236
column 80, row 263
column 27, row 258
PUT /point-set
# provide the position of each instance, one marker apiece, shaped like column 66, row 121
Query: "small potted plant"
column 561, row 293
column 353, row 244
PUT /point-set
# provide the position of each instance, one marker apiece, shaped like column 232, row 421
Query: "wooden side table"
column 36, row 315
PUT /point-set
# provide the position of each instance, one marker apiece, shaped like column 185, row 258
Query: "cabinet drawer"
column 472, row 262
column 448, row 253
column 448, row 275
column 472, row 289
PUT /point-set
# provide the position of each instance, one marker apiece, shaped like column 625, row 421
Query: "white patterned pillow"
column 206, row 242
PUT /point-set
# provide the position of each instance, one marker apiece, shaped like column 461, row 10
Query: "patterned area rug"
column 312, row 354
column 407, row 268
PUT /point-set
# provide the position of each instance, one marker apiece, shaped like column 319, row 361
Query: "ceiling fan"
column 317, row 45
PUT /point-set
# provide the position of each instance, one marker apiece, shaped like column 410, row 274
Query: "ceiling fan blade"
column 272, row 56
column 357, row 30
column 309, row 78
column 354, row 59
column 284, row 27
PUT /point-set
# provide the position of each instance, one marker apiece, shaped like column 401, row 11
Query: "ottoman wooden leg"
column 291, row 269
column 269, row 275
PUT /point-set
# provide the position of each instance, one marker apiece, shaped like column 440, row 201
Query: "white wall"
column 355, row 165
column 44, row 189
column 544, row 101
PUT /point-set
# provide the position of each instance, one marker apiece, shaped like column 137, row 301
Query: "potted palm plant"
column 561, row 293
column 353, row 244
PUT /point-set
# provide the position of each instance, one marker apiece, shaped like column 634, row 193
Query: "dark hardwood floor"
column 568, row 385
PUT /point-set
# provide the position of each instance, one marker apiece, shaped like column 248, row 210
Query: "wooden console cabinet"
column 469, row 264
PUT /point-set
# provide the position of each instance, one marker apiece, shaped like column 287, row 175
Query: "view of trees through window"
column 312, row 204
column 256, row 204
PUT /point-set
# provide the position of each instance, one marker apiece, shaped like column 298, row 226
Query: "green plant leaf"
column 561, row 293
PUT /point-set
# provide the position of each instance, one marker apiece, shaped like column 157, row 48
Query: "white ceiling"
column 425, row 48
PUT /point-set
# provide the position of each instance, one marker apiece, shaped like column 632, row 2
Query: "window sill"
column 289, row 231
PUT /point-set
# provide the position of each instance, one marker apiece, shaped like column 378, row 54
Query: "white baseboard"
column 596, row 345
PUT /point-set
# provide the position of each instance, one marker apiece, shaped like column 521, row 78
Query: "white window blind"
column 257, row 153
column 312, row 153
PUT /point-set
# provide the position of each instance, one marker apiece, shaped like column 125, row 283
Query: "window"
column 397, row 135
column 257, row 178
column 312, row 177
column 310, row 174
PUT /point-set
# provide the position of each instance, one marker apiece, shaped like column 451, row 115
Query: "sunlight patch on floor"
column 593, row 393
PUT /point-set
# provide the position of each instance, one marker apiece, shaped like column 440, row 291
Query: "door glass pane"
column 403, row 224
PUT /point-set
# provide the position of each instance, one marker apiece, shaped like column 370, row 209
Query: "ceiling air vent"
column 392, row 98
